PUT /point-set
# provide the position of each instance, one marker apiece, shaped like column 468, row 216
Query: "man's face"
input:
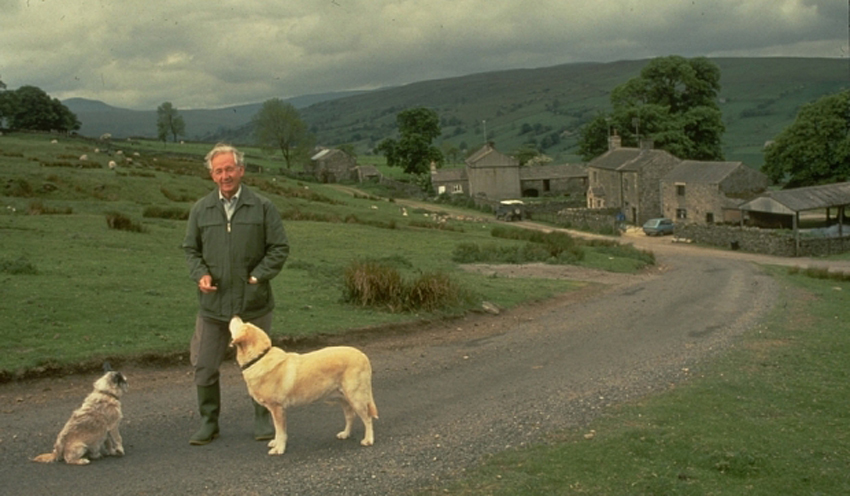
column 226, row 174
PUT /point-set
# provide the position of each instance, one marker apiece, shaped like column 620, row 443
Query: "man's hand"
column 205, row 284
column 253, row 280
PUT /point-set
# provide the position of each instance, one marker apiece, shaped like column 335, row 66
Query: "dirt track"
column 447, row 394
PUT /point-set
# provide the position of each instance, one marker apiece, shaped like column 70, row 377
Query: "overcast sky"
column 213, row 53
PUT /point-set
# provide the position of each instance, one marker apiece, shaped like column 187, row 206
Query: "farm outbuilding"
column 783, row 209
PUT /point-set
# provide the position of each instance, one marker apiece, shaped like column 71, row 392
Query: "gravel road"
column 448, row 393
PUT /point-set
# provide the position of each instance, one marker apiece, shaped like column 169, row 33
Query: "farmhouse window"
column 681, row 213
column 680, row 190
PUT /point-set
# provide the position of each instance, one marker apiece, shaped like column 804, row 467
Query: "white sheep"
column 83, row 157
column 112, row 165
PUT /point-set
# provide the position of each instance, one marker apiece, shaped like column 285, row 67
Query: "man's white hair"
column 220, row 148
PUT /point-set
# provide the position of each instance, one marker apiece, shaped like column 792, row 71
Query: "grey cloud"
column 138, row 54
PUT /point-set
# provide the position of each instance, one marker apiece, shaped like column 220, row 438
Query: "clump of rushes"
column 381, row 286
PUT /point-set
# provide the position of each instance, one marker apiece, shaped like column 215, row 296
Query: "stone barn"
column 331, row 165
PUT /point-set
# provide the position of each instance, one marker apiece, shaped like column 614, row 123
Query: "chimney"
column 614, row 141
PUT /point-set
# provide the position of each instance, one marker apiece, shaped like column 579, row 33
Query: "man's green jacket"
column 253, row 243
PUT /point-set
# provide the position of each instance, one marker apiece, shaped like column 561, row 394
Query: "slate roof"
column 455, row 174
column 791, row 201
column 695, row 171
column 629, row 159
column 488, row 156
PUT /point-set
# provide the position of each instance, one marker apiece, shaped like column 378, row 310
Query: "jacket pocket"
column 256, row 296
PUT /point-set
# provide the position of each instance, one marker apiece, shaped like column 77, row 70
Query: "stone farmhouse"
column 629, row 179
column 709, row 192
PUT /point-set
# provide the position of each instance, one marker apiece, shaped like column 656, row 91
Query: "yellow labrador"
column 277, row 380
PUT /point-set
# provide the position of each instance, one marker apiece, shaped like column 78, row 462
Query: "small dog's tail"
column 46, row 457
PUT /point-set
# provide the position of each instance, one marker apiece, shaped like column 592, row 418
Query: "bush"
column 370, row 284
column 434, row 291
column 622, row 250
column 380, row 285
column 175, row 197
column 20, row 188
column 37, row 207
column 18, row 267
column 174, row 213
column 121, row 222
column 554, row 247
column 298, row 214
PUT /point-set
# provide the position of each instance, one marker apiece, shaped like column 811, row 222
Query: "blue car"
column 658, row 227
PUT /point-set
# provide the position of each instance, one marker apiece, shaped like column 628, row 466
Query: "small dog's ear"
column 107, row 367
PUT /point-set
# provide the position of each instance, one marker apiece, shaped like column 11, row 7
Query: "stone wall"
column 595, row 220
column 775, row 242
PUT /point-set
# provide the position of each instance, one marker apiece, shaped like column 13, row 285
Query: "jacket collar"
column 246, row 197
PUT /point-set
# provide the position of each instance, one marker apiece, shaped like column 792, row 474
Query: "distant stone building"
column 542, row 180
column 490, row 175
column 709, row 192
column 493, row 175
column 450, row 181
column 331, row 165
column 629, row 179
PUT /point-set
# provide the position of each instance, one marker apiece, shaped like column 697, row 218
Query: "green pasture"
column 74, row 292
column 770, row 417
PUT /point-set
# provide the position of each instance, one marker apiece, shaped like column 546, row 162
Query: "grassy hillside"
column 759, row 97
column 545, row 106
column 75, row 291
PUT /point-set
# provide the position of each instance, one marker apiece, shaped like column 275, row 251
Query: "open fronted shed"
column 783, row 208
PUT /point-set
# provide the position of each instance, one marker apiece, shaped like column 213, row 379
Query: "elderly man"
column 235, row 244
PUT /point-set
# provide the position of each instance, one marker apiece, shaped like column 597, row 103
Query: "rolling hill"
column 544, row 107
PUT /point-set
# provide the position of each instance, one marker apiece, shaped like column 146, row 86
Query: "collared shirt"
column 230, row 205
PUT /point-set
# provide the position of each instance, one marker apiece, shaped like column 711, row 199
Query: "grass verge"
column 769, row 417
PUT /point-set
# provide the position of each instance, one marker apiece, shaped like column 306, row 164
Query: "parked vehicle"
column 510, row 210
column 658, row 227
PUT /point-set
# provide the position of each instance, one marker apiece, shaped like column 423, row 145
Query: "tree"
column 5, row 102
column 418, row 127
column 30, row 108
column 673, row 101
column 279, row 126
column 526, row 153
column 169, row 121
column 815, row 148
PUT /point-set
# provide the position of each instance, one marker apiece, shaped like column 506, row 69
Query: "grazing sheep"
column 84, row 157
column 53, row 142
column 112, row 165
